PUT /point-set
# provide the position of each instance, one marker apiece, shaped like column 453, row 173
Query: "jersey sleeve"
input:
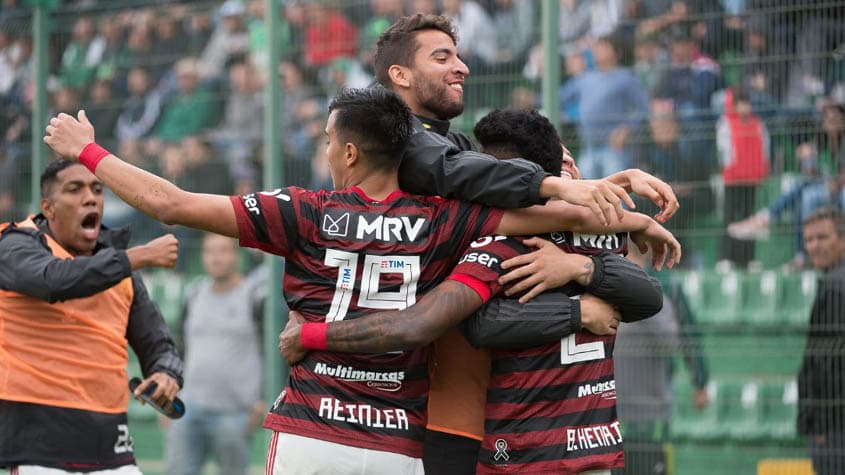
column 269, row 220
column 467, row 222
column 480, row 265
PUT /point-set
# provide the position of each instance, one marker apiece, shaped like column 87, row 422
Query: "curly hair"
column 512, row 133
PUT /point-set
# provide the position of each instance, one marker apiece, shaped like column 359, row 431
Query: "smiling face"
column 568, row 169
column 73, row 207
column 436, row 77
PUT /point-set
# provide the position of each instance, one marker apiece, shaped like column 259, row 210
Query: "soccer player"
column 367, row 246
column 459, row 375
column 417, row 58
column 70, row 302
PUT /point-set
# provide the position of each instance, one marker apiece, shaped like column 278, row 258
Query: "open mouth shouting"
column 91, row 226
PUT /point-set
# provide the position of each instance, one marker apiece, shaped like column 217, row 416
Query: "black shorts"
column 449, row 454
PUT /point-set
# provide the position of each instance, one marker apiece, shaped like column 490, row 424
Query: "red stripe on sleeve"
column 479, row 286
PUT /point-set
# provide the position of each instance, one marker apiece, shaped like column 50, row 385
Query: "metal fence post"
column 551, row 61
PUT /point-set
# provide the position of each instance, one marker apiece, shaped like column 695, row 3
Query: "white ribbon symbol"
column 501, row 450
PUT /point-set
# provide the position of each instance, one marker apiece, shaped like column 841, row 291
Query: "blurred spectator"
column 344, row 72
column 140, row 50
column 240, row 133
column 821, row 388
column 424, row 6
column 302, row 125
column 198, row 28
column 763, row 77
column 171, row 42
column 476, row 38
column 329, row 34
column 821, row 29
column 612, row 104
column 230, row 39
column 651, row 62
column 643, row 357
column 573, row 24
column 190, row 109
column 78, row 59
column 605, row 16
column 15, row 62
column 64, row 99
column 691, row 80
column 821, row 184
column 384, row 13
column 743, row 143
column 140, row 110
column 103, row 110
column 258, row 43
column 684, row 165
column 221, row 335
column 514, row 27
column 109, row 48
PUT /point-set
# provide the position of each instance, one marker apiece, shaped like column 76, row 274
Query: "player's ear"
column 351, row 154
column 399, row 75
column 47, row 208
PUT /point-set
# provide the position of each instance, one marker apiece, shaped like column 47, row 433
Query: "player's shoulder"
column 514, row 244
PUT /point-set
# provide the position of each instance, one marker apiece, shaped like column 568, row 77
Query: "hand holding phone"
column 174, row 410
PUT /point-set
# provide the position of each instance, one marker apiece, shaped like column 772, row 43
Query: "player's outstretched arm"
column 152, row 195
column 559, row 215
column 442, row 308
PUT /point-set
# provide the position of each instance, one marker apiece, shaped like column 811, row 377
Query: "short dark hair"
column 828, row 212
column 50, row 175
column 512, row 133
column 398, row 44
column 376, row 120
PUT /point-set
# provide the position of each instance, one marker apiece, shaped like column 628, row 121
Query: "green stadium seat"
column 796, row 298
column 722, row 298
column 779, row 403
column 691, row 424
column 738, row 409
column 759, row 292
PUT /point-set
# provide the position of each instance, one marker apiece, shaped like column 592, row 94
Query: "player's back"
column 349, row 255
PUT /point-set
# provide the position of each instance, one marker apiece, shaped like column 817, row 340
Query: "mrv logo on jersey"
column 368, row 227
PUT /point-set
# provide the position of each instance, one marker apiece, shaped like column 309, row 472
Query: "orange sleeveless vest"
column 67, row 354
column 459, row 375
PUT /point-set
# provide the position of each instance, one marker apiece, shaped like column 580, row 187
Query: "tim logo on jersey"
column 367, row 227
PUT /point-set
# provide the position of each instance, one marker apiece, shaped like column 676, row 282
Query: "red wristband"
column 313, row 336
column 91, row 156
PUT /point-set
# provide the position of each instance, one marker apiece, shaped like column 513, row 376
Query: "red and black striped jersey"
column 349, row 255
column 550, row 408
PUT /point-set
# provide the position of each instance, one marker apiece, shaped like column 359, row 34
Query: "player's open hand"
column 165, row 392
column 67, row 136
column 603, row 197
column 290, row 344
column 546, row 268
column 665, row 248
column 650, row 187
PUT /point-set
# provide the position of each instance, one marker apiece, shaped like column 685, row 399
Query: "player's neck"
column 378, row 186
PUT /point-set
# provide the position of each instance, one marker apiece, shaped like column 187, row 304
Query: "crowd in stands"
column 177, row 87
